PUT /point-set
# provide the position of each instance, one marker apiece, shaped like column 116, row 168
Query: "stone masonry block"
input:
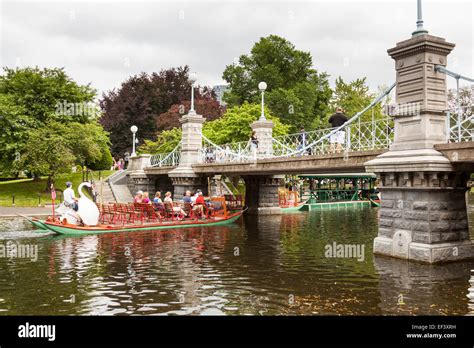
column 420, row 205
column 438, row 206
column 415, row 215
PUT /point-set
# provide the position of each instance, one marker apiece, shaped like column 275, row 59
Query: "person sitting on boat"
column 199, row 204
column 70, row 200
column 157, row 199
column 146, row 198
column 157, row 202
column 169, row 200
column 187, row 197
column 138, row 197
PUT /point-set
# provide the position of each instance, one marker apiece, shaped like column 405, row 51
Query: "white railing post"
column 348, row 136
column 448, row 126
column 458, row 123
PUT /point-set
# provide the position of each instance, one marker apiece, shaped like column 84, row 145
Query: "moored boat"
column 72, row 229
column 93, row 218
column 335, row 191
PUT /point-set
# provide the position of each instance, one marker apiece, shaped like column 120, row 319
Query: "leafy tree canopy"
column 233, row 126
column 144, row 100
column 48, row 95
column 208, row 107
column 296, row 93
column 31, row 101
column 353, row 97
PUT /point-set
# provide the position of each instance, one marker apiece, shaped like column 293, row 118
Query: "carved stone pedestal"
column 423, row 217
column 188, row 183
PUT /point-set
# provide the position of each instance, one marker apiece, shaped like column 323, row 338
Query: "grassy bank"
column 28, row 192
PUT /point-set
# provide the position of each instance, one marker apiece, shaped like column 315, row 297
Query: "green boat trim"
column 292, row 209
column 335, row 205
column 374, row 203
column 77, row 230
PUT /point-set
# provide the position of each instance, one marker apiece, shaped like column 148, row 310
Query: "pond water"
column 258, row 266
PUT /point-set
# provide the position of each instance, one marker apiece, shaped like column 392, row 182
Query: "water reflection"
column 262, row 265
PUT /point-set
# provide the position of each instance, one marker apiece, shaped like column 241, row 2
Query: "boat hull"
column 78, row 230
column 335, row 205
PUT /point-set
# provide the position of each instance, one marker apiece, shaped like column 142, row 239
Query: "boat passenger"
column 157, row 202
column 199, row 204
column 157, row 199
column 178, row 209
column 146, row 198
column 138, row 197
column 70, row 199
column 187, row 197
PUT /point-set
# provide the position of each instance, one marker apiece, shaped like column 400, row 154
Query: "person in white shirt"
column 69, row 197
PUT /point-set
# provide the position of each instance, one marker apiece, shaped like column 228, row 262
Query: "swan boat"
column 90, row 218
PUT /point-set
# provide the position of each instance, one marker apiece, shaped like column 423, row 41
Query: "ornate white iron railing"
column 460, row 125
column 227, row 153
column 170, row 159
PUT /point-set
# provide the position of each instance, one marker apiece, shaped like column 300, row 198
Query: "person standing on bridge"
column 253, row 142
column 302, row 140
column 337, row 139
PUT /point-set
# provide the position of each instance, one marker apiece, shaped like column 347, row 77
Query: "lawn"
column 29, row 193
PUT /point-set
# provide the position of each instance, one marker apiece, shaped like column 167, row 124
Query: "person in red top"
column 199, row 204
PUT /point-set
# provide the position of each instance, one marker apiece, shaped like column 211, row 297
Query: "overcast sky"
column 103, row 43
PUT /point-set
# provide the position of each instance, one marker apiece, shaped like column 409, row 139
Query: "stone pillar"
column 261, row 194
column 264, row 132
column 183, row 176
column 423, row 211
column 181, row 184
column 163, row 184
column 136, row 177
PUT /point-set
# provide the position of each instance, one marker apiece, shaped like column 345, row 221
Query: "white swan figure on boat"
column 88, row 210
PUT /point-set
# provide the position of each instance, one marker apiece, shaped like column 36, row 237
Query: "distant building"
column 219, row 91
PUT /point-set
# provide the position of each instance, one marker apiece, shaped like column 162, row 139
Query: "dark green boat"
column 335, row 191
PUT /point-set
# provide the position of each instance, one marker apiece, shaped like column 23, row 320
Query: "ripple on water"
column 280, row 268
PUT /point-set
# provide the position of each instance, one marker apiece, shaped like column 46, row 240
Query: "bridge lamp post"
column 192, row 78
column 262, row 86
column 134, row 130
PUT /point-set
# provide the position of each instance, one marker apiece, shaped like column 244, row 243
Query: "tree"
column 352, row 97
column 465, row 101
column 140, row 101
column 47, row 154
column 42, row 92
column 296, row 92
column 81, row 144
column 15, row 125
column 209, row 108
column 31, row 99
column 233, row 126
column 165, row 142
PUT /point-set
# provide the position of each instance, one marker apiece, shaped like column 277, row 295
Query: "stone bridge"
column 423, row 159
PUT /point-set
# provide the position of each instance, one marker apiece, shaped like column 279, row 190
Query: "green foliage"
column 296, row 92
column 47, row 153
column 57, row 147
column 46, row 103
column 41, row 92
column 165, row 142
column 234, row 125
column 353, row 97
column 14, row 125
